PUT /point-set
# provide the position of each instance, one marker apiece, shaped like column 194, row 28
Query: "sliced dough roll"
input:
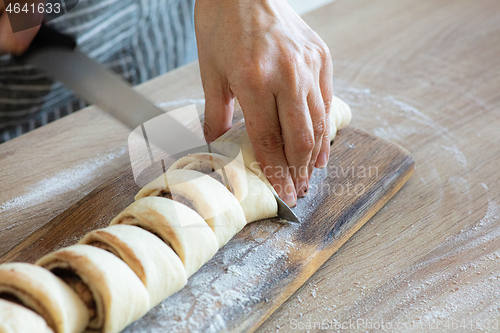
column 340, row 116
column 41, row 291
column 113, row 292
column 238, row 135
column 254, row 196
column 209, row 198
column 178, row 226
column 15, row 318
column 154, row 262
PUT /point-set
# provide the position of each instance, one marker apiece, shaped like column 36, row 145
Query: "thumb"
column 219, row 107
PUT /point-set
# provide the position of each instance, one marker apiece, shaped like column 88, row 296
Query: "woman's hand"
column 14, row 43
column 263, row 53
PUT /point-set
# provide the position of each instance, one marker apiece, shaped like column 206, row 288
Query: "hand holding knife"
column 59, row 56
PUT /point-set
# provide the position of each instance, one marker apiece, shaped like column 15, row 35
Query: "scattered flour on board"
column 229, row 286
column 209, row 297
column 480, row 269
column 420, row 122
column 435, row 289
column 460, row 275
column 407, row 121
column 59, row 183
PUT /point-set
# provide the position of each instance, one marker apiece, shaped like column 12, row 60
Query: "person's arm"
column 263, row 53
column 14, row 43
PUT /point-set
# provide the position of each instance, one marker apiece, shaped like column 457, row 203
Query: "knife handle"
column 48, row 38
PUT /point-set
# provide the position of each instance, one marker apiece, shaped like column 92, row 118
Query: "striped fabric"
column 139, row 39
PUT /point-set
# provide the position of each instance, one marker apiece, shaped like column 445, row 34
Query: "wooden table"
column 422, row 73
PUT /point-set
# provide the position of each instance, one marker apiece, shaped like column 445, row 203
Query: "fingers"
column 326, row 88
column 219, row 105
column 317, row 113
column 298, row 137
column 263, row 127
column 324, row 152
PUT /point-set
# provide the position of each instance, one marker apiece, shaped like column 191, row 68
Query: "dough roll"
column 256, row 199
column 113, row 293
column 238, row 135
column 15, row 318
column 155, row 263
column 178, row 226
column 209, row 198
column 41, row 291
column 340, row 116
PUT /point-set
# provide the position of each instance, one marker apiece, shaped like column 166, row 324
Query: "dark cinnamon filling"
column 80, row 287
column 127, row 220
column 37, row 307
column 104, row 246
column 218, row 177
column 165, row 194
column 206, row 169
column 203, row 168
column 11, row 298
column 209, row 170
column 157, row 235
column 179, row 198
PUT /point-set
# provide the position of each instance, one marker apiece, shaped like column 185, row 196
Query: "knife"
column 58, row 55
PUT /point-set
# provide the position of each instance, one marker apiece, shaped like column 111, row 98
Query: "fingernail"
column 322, row 161
column 302, row 189
column 290, row 199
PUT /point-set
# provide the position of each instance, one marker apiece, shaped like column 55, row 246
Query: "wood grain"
column 363, row 174
column 421, row 73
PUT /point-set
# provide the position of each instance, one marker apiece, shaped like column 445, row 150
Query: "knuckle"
column 324, row 51
column 250, row 78
column 290, row 68
column 328, row 106
column 311, row 59
column 269, row 143
column 303, row 143
column 253, row 73
column 319, row 129
column 316, row 53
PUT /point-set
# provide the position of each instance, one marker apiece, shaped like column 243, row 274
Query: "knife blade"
column 90, row 81
column 58, row 55
column 285, row 212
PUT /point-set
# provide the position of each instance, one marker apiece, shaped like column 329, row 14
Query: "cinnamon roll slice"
column 255, row 197
column 237, row 135
column 209, row 198
column 15, row 318
column 155, row 263
column 178, row 226
column 113, row 293
column 41, row 291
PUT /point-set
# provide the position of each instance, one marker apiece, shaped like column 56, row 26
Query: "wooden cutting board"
column 265, row 263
